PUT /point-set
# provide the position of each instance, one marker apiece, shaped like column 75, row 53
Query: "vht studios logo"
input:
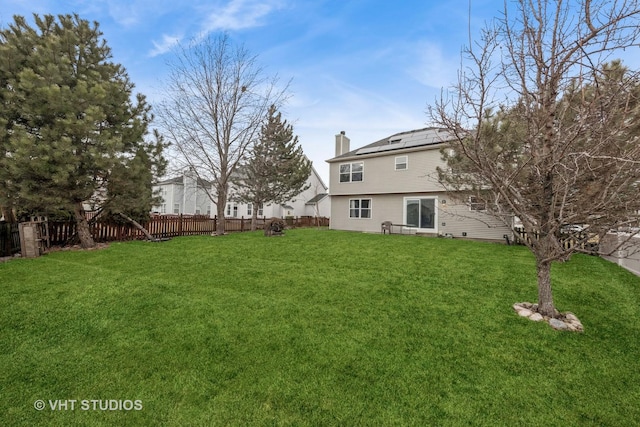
column 89, row 405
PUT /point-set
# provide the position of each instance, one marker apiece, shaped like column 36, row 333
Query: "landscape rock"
column 560, row 321
column 570, row 316
column 536, row 317
column 558, row 324
column 524, row 312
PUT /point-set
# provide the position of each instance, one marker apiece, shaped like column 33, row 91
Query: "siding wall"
column 628, row 255
column 388, row 188
column 451, row 217
column 380, row 175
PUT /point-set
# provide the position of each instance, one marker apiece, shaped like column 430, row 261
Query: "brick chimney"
column 342, row 144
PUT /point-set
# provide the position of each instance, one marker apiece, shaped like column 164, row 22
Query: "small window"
column 260, row 210
column 228, row 210
column 476, row 204
column 402, row 163
column 235, row 210
column 176, row 208
column 360, row 208
column 352, row 172
column 163, row 209
column 197, row 211
column 249, row 209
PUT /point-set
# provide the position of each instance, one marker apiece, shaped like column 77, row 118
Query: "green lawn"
column 314, row 328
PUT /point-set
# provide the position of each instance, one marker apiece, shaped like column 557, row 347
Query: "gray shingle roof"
column 402, row 140
column 316, row 198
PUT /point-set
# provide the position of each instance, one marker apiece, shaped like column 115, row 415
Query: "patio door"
column 421, row 213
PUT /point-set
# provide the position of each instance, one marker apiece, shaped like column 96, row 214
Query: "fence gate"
column 34, row 237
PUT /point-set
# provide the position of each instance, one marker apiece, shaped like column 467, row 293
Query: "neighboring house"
column 186, row 195
column 183, row 195
column 395, row 179
column 314, row 201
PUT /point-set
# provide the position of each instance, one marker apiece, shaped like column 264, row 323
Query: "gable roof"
column 411, row 139
column 176, row 180
column 179, row 180
column 316, row 198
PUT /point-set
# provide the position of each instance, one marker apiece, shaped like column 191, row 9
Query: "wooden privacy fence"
column 9, row 239
column 167, row 226
column 579, row 240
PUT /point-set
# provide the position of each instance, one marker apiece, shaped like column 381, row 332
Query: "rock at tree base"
column 564, row 322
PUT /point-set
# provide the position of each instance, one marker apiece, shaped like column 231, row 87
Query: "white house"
column 187, row 195
column 395, row 180
column 184, row 195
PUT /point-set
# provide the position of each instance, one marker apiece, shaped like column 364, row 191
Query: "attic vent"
column 391, row 141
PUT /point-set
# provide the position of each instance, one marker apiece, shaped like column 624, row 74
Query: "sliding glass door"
column 420, row 213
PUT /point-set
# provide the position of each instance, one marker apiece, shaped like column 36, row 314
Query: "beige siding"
column 383, row 208
column 380, row 175
column 451, row 217
column 627, row 253
column 459, row 219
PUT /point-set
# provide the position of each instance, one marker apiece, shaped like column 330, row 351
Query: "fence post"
column 215, row 223
column 180, row 225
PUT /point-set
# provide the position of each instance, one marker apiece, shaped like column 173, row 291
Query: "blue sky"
column 368, row 67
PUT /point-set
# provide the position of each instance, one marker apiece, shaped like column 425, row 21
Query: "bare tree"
column 216, row 100
column 544, row 128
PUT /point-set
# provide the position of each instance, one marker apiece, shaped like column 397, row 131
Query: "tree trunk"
column 82, row 227
column 138, row 226
column 254, row 218
column 220, row 207
column 545, row 296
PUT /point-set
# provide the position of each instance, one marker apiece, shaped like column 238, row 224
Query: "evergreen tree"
column 276, row 169
column 67, row 118
column 129, row 190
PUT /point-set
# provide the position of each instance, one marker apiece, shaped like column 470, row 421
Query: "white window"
column 235, row 210
column 249, row 209
column 420, row 213
column 476, row 204
column 197, row 211
column 360, row 208
column 163, row 208
column 260, row 210
column 228, row 213
column 402, row 163
column 352, row 172
column 176, row 208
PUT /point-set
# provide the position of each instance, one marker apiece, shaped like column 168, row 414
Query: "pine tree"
column 129, row 191
column 276, row 169
column 67, row 119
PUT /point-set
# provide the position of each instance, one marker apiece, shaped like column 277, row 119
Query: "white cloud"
column 433, row 67
column 167, row 43
column 238, row 15
column 130, row 14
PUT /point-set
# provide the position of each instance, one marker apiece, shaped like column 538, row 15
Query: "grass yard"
column 316, row 328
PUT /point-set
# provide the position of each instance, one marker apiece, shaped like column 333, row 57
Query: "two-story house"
column 187, row 195
column 395, row 179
